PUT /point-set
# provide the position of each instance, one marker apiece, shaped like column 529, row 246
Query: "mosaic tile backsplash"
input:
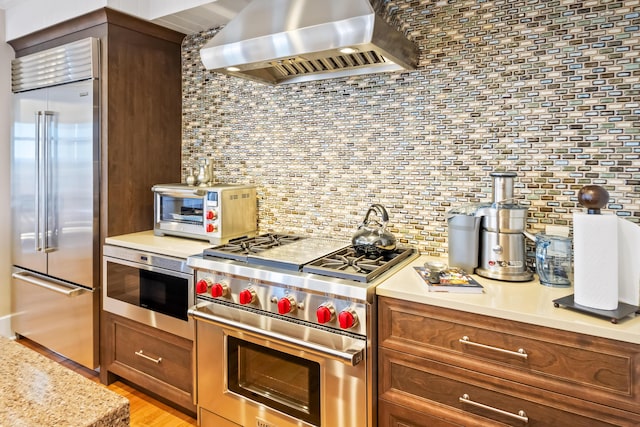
column 547, row 89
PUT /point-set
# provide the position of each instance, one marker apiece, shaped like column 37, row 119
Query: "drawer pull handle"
column 519, row 353
column 521, row 415
column 141, row 354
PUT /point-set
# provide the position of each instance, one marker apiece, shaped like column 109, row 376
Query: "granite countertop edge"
column 38, row 391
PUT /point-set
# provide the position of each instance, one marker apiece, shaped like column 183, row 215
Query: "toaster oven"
column 216, row 213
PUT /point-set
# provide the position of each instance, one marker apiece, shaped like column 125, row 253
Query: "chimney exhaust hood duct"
column 291, row 41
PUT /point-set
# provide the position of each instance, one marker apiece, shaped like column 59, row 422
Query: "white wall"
column 26, row 16
column 6, row 54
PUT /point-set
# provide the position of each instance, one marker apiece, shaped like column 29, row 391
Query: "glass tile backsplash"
column 548, row 89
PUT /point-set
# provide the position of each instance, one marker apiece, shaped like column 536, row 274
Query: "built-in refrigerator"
column 55, row 154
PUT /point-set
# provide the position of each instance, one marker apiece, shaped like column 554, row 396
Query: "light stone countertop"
column 178, row 247
column 528, row 302
column 37, row 391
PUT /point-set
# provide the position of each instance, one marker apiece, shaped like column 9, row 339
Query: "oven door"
column 256, row 370
column 149, row 294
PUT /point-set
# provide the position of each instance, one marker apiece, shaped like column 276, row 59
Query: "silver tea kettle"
column 372, row 237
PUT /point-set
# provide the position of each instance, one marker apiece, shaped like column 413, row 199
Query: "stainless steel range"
column 285, row 329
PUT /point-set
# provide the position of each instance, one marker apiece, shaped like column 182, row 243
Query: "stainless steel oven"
column 285, row 327
column 153, row 289
column 259, row 371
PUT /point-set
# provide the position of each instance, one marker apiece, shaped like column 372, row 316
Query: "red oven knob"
column 347, row 319
column 202, row 286
column 211, row 215
column 219, row 289
column 325, row 313
column 211, row 228
column 286, row 304
column 247, row 296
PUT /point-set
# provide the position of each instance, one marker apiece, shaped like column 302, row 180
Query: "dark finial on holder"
column 593, row 197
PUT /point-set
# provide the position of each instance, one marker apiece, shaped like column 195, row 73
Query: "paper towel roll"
column 595, row 242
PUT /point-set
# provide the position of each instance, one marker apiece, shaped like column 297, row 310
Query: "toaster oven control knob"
column 211, row 228
column 203, row 285
column 286, row 304
column 211, row 215
column 247, row 296
column 325, row 313
column 347, row 319
column 219, row 290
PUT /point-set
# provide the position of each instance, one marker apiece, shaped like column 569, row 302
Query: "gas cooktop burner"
column 239, row 249
column 348, row 264
column 325, row 257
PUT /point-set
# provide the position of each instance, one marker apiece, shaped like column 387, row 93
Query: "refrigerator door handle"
column 52, row 286
column 49, row 186
column 39, row 181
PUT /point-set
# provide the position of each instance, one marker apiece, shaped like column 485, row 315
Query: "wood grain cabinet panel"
column 393, row 415
column 147, row 353
column 155, row 360
column 469, row 368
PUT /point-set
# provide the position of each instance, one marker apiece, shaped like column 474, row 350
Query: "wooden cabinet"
column 155, row 360
column 442, row 367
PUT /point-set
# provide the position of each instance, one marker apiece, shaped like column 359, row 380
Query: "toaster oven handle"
column 351, row 356
column 168, row 192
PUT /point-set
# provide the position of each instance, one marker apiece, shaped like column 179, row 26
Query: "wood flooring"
column 145, row 410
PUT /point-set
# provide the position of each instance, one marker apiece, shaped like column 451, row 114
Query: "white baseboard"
column 5, row 327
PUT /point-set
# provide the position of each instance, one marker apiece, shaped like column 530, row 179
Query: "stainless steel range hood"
column 290, row 41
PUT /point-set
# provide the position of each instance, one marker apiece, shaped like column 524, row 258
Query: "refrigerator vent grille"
column 63, row 64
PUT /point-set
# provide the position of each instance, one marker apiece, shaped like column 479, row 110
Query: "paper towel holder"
column 614, row 316
column 594, row 198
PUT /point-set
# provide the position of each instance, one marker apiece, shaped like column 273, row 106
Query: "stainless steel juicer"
column 490, row 238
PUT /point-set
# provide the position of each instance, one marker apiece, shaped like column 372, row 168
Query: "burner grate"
column 240, row 249
column 348, row 264
column 350, row 260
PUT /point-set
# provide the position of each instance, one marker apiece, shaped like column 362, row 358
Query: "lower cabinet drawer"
column 602, row 370
column 151, row 355
column 154, row 360
column 483, row 400
column 394, row 415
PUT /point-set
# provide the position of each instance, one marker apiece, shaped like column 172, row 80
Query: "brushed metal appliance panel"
column 24, row 180
column 59, row 316
column 54, row 181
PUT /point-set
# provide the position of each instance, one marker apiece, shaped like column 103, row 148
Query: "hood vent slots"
column 290, row 41
column 299, row 66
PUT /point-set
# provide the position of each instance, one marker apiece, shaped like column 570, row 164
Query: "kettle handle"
column 380, row 210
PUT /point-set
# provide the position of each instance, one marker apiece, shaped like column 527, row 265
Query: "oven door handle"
column 351, row 356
